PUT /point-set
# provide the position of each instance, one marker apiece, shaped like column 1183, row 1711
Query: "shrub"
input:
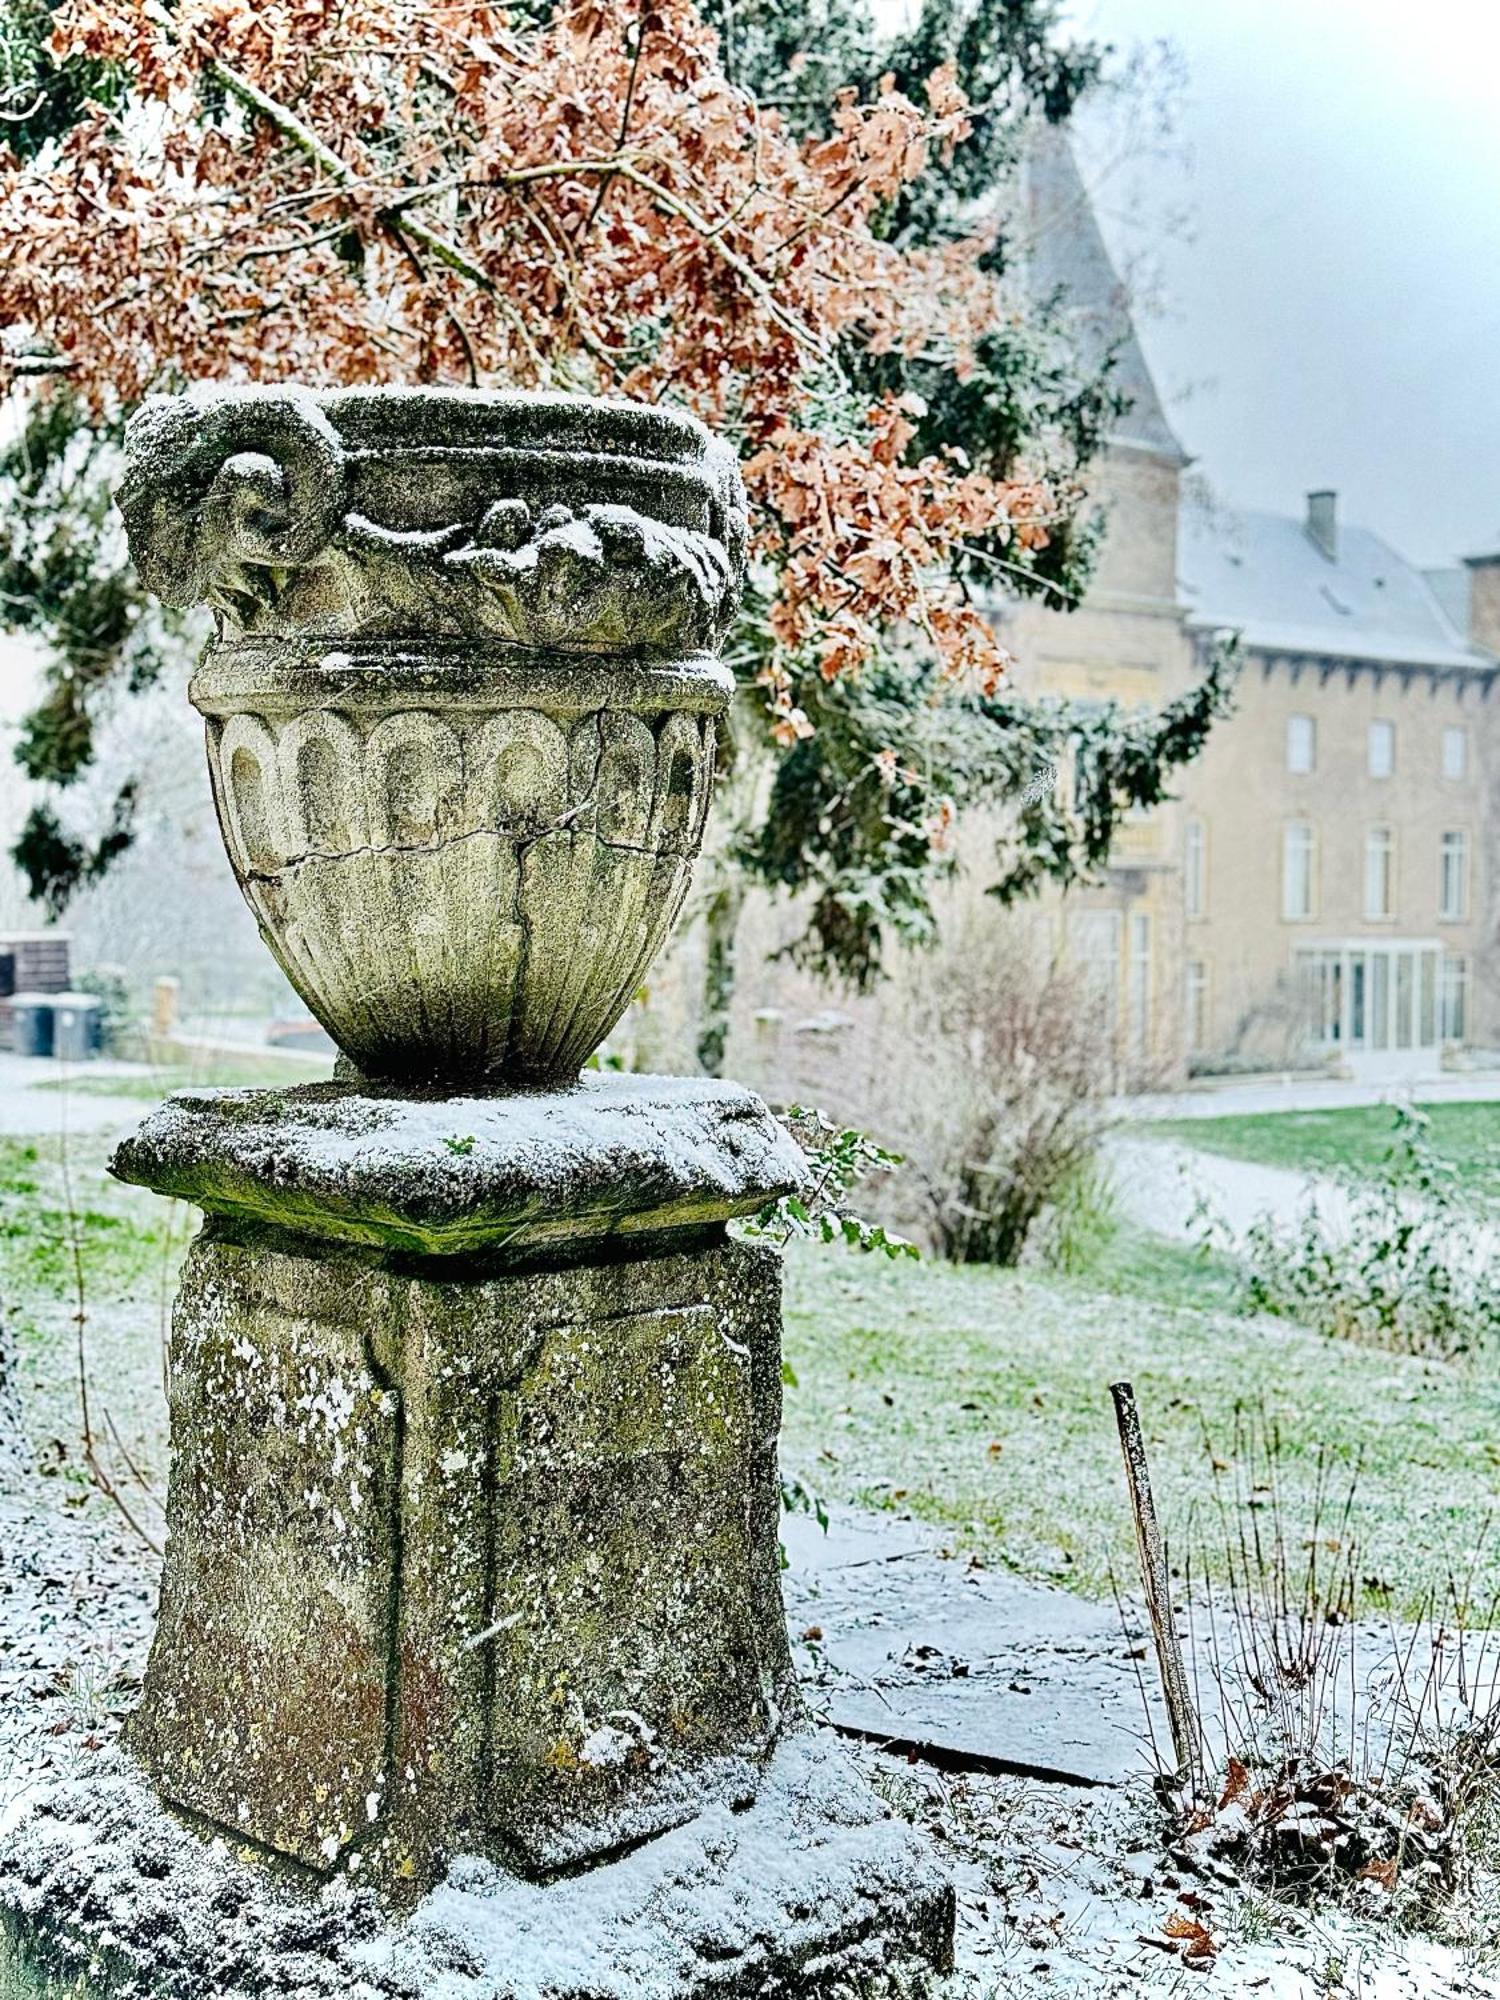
column 1401, row 1269
column 1340, row 1757
column 991, row 1076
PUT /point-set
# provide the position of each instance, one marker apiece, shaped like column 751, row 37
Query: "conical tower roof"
column 1068, row 259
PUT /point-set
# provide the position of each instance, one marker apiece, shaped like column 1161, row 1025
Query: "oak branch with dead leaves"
column 396, row 190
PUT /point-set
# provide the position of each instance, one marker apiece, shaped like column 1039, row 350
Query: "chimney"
column 1484, row 601
column 1323, row 523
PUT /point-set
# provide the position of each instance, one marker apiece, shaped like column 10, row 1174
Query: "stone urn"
column 461, row 699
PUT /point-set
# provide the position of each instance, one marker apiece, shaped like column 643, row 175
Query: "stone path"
column 1163, row 1185
column 971, row 1668
column 1172, row 1189
column 26, row 1108
column 1256, row 1095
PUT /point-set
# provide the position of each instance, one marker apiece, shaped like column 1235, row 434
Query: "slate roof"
column 1262, row 575
column 1067, row 258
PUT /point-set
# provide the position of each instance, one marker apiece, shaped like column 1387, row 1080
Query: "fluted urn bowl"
column 461, row 702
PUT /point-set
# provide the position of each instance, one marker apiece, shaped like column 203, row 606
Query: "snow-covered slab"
column 966, row 1666
column 445, row 1175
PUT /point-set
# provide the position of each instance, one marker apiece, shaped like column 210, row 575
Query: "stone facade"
column 1266, row 966
column 1211, row 955
column 1126, row 643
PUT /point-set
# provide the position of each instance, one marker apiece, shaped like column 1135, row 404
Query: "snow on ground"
column 1061, row 1890
column 1069, row 1893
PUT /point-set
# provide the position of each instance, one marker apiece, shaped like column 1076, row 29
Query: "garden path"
column 1219, row 1098
column 1170, row 1188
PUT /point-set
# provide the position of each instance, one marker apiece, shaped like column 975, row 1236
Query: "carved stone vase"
column 461, row 702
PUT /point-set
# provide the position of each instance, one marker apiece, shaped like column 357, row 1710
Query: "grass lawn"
column 1357, row 1139
column 978, row 1399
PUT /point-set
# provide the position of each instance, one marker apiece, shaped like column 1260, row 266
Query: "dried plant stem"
column 98, row 1472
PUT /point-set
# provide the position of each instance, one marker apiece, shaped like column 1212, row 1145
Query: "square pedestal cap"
column 454, row 1176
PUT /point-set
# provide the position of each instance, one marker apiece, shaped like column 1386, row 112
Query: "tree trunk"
column 721, row 922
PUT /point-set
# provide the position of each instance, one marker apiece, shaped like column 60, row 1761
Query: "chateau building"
column 1337, row 836
column 1323, row 885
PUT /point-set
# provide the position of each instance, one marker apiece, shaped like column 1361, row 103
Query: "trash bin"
column 31, row 1023
column 76, row 1032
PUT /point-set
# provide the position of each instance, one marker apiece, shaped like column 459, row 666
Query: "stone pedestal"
column 473, row 1531
column 473, row 1524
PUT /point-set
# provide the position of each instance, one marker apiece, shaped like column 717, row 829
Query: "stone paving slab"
column 967, row 1666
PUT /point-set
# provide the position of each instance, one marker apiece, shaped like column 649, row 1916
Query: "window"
column 1297, row 852
column 1322, row 979
column 1197, row 1006
column 1140, row 981
column 1380, row 855
column 1427, row 971
column 1455, row 753
column 1094, row 942
column 1455, row 999
column 1453, row 883
column 1301, row 744
column 1195, row 868
column 1382, row 749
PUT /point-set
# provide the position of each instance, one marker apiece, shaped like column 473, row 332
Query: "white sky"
column 1331, row 315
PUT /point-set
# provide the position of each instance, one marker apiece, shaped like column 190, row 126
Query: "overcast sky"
column 1331, row 314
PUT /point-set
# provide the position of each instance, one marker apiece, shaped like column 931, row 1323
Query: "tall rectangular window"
column 1195, row 868
column 1455, row 999
column 1321, row 974
column 1140, row 980
column 1382, row 749
column 1301, row 744
column 1456, row 752
column 1297, row 858
column 1380, row 855
column 1453, row 880
column 1197, row 1005
column 1094, row 943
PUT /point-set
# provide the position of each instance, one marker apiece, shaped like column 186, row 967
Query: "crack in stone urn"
column 461, row 703
column 471, row 1678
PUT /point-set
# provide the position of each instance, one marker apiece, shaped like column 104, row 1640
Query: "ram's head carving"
column 225, row 483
